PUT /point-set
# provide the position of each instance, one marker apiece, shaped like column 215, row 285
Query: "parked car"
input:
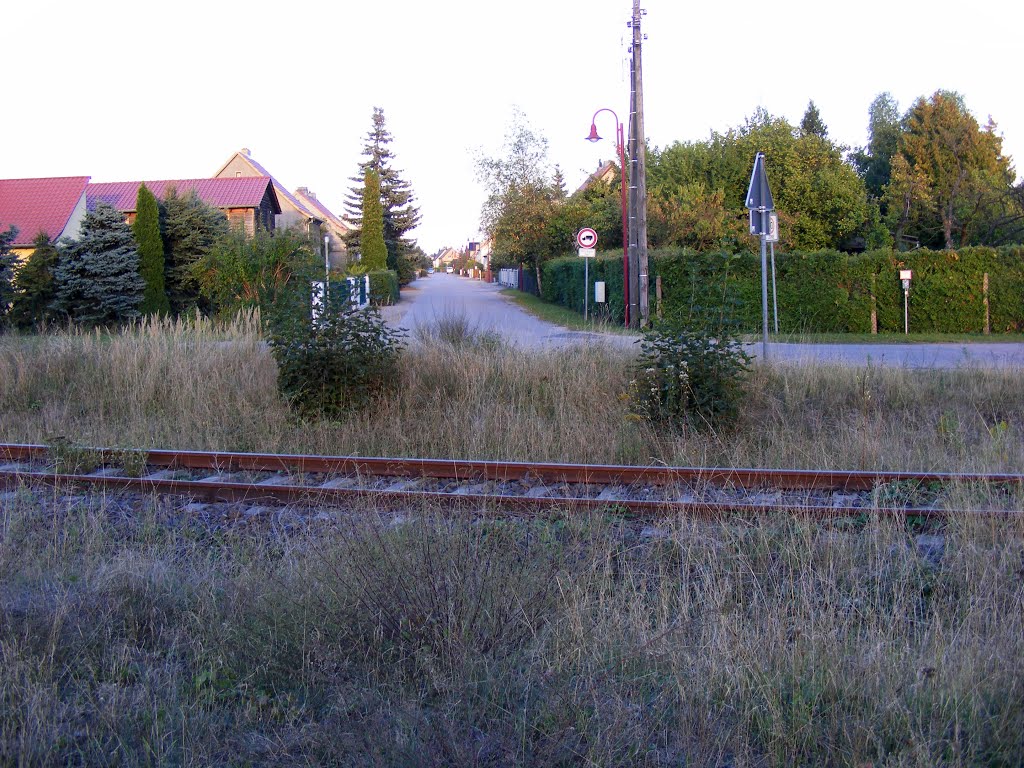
column 450, row 269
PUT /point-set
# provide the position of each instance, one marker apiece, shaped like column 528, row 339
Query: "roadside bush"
column 383, row 287
column 342, row 360
column 689, row 376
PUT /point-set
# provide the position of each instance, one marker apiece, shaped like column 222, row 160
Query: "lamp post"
column 621, row 147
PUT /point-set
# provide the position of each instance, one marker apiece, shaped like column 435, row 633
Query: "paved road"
column 429, row 299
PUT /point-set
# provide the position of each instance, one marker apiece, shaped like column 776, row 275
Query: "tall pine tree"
column 97, row 277
column 374, row 252
column 34, row 283
column 812, row 124
column 6, row 273
column 191, row 228
column 146, row 229
column 397, row 198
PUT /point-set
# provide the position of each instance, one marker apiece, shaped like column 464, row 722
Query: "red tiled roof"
column 238, row 192
column 278, row 186
column 39, row 205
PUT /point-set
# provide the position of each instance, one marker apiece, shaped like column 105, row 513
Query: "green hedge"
column 383, row 287
column 563, row 284
column 819, row 291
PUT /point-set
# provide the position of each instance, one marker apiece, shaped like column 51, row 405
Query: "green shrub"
column 689, row 376
column 383, row 287
column 345, row 359
column 824, row 291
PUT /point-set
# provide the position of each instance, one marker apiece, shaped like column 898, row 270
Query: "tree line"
column 929, row 177
column 179, row 256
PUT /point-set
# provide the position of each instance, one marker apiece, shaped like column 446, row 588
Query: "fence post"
column 874, row 307
column 984, row 290
column 657, row 295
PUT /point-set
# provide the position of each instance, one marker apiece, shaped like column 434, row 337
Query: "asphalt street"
column 429, row 299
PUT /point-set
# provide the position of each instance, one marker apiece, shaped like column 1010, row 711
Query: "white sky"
column 121, row 90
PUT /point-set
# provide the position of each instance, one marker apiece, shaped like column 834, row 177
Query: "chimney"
column 244, row 151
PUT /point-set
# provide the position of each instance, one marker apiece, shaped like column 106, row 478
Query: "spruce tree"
column 97, row 277
column 6, row 273
column 34, row 283
column 812, row 124
column 191, row 228
column 150, row 244
column 374, row 252
column 397, row 198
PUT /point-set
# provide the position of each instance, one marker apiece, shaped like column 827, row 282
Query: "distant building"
column 300, row 209
column 248, row 203
column 54, row 206
column 606, row 173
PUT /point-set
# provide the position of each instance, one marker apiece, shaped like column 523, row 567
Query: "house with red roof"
column 249, row 203
column 300, row 209
column 54, row 206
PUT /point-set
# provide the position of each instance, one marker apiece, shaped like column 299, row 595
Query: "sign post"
column 905, row 276
column 761, row 206
column 586, row 239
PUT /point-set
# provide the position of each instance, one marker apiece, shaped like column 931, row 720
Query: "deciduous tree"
column 240, row 271
column 948, row 175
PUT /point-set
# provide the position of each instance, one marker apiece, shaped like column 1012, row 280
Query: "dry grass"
column 146, row 637
column 580, row 641
column 464, row 394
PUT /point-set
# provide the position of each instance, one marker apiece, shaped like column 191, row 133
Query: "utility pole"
column 638, row 266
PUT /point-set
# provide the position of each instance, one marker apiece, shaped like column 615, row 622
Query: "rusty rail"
column 215, row 489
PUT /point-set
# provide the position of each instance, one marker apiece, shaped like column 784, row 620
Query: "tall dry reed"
column 464, row 394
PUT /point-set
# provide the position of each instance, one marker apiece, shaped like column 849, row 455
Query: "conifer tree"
column 397, row 198
column 191, row 228
column 374, row 252
column 97, row 277
column 150, row 244
column 812, row 124
column 6, row 273
column 34, row 284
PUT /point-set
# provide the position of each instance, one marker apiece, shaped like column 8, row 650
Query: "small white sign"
column 588, row 253
column 773, row 228
column 599, row 293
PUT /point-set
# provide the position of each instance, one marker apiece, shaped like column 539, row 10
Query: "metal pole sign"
column 586, row 239
column 905, row 276
column 761, row 204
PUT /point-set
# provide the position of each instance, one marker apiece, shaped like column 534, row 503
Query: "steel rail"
column 501, row 471
column 223, row 491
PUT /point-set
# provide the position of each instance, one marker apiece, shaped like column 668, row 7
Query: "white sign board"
column 772, row 235
column 588, row 253
column 598, row 293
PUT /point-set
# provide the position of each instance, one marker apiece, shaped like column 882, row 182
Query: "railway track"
column 510, row 486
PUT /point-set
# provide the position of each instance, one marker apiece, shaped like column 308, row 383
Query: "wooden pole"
column 643, row 285
column 874, row 308
column 984, row 287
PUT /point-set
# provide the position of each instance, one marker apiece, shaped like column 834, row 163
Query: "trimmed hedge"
column 820, row 291
column 383, row 287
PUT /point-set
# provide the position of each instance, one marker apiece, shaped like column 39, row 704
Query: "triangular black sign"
column 759, row 195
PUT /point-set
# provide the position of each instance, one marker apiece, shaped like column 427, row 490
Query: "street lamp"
column 621, row 147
